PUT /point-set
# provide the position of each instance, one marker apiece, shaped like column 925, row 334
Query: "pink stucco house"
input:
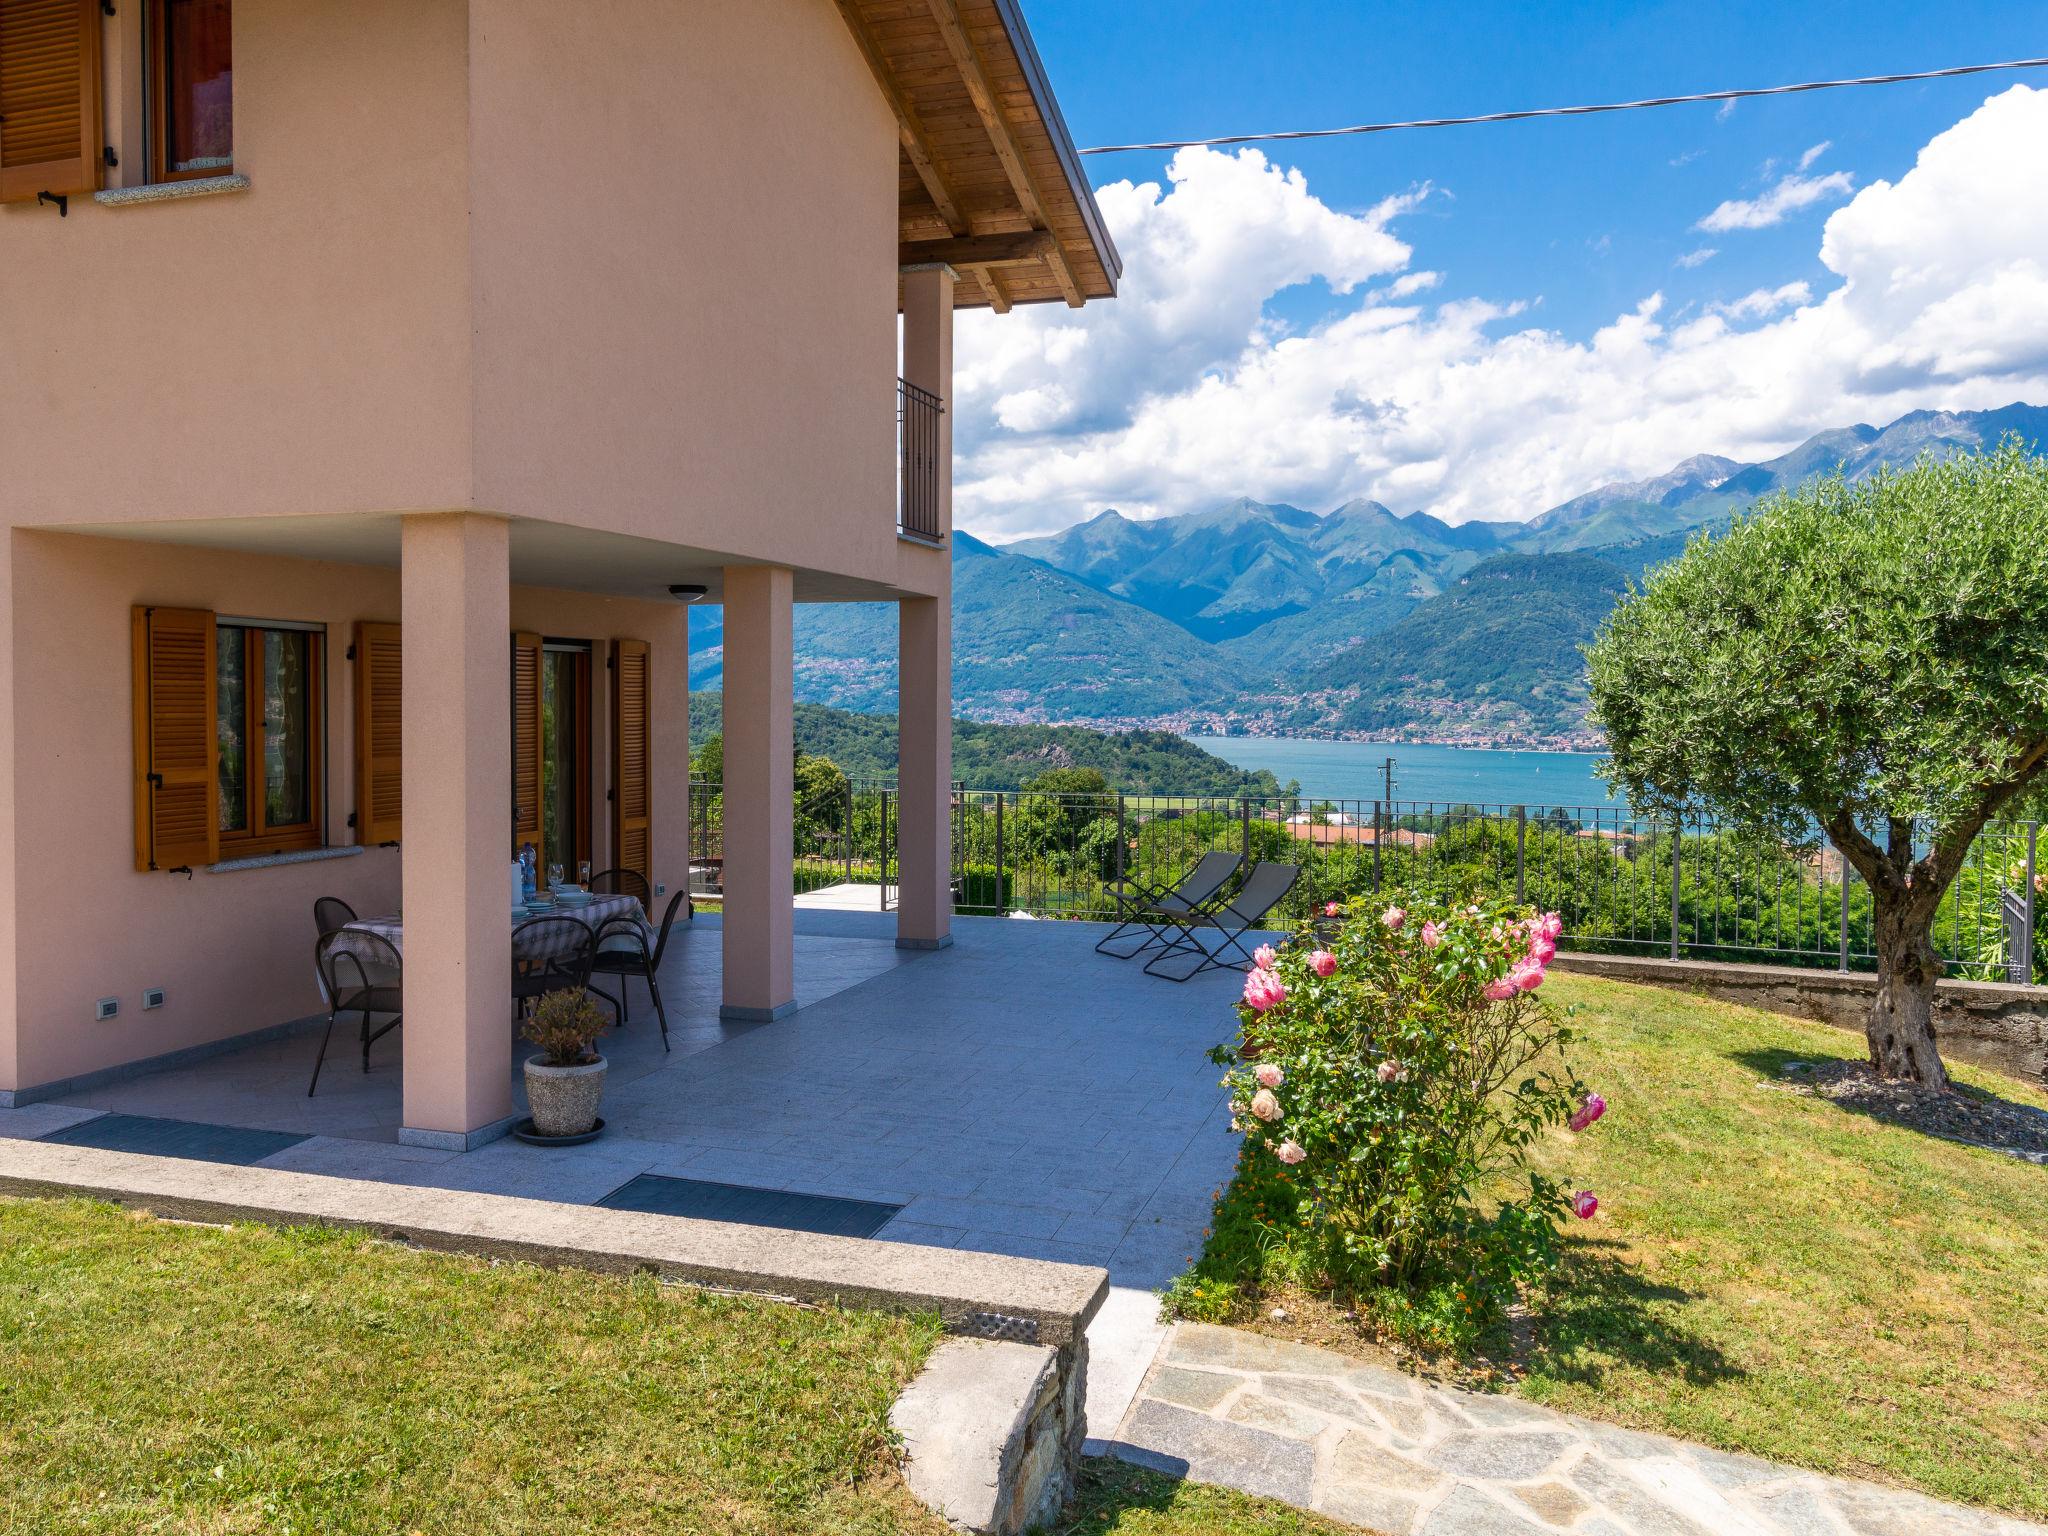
column 372, row 370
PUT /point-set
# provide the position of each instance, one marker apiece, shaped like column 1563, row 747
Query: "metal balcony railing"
column 918, row 445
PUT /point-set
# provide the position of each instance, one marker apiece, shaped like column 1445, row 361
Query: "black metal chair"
column 550, row 954
column 622, row 882
column 1155, row 908
column 330, row 913
column 1264, row 888
column 361, row 973
column 622, row 952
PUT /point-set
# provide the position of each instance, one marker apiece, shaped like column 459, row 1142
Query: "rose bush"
column 1392, row 1071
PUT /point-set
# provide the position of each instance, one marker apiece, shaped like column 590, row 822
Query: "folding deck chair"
column 1264, row 889
column 1155, row 908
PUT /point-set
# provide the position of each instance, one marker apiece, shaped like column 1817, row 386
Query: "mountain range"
column 1267, row 618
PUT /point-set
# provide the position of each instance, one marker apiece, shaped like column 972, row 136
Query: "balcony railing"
column 918, row 446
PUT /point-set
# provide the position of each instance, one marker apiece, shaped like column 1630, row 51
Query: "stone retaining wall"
column 1989, row 1023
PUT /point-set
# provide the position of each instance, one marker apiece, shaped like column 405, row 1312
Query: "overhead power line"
column 1586, row 111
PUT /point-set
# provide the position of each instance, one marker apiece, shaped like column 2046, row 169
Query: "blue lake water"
column 1352, row 770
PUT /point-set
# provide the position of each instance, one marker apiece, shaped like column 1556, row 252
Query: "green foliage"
column 1849, row 650
column 1401, row 1072
column 999, row 756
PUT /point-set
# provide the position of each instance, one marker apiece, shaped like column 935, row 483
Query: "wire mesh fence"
column 1689, row 888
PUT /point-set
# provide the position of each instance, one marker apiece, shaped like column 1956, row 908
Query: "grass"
column 1774, row 1273
column 165, row 1378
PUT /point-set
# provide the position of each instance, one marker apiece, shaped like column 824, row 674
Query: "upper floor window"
column 192, row 82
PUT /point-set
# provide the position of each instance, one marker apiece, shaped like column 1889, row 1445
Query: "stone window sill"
column 274, row 860
column 171, row 191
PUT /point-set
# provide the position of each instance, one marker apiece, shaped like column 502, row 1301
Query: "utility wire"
column 1587, row 111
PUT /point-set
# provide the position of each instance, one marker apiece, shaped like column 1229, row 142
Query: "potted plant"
column 566, row 1080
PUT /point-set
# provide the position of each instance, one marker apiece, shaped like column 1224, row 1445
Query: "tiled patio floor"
column 1016, row 1093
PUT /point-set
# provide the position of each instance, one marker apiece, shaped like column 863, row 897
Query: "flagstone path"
column 1379, row 1449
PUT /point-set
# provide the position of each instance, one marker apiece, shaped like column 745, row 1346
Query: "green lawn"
column 1768, row 1272
column 164, row 1378
column 1777, row 1274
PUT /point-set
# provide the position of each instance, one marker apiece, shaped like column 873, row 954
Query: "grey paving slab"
column 33, row 1121
column 1409, row 1459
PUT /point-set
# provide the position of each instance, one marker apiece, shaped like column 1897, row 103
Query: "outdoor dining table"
column 545, row 944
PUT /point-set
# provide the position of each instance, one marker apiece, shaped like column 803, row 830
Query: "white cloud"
column 1786, row 197
column 1700, row 257
column 1764, row 301
column 1185, row 391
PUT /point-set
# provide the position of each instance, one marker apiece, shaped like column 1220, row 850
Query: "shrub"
column 1392, row 1071
column 565, row 1025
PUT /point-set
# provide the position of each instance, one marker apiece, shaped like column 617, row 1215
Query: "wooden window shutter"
column 380, row 735
column 632, row 760
column 50, row 133
column 529, row 772
column 177, row 745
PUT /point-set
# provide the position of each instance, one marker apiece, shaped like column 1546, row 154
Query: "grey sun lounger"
column 1264, row 889
column 1158, row 909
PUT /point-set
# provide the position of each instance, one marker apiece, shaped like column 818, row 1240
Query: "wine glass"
column 554, row 877
column 583, row 873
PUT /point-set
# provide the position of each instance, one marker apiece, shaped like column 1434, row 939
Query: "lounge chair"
column 1264, row 889
column 1156, row 908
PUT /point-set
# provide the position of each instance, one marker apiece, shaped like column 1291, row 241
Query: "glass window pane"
column 198, row 86
column 558, row 729
column 230, row 702
column 287, row 788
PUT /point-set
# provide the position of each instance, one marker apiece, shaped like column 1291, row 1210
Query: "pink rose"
column 1263, row 990
column 1394, row 917
column 1542, row 951
column 1269, row 1076
column 1500, row 990
column 1263, row 957
column 1527, row 976
column 1289, row 1152
column 1332, row 909
column 1391, row 1070
column 1591, row 1110
column 1552, row 927
column 1431, row 935
column 1265, row 1106
column 1322, row 962
column 1584, row 1205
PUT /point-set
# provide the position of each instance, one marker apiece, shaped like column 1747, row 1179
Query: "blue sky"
column 1590, row 212
column 1263, row 347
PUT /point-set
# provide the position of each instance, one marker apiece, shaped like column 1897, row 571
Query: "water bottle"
column 529, row 860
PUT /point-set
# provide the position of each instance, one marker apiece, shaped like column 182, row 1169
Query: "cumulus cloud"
column 1787, row 196
column 1185, row 391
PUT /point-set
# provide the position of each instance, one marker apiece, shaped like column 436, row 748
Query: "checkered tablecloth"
column 534, row 945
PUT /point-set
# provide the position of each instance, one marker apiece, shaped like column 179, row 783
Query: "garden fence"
column 1689, row 887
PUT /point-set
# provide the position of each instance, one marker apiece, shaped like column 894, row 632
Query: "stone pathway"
column 1376, row 1448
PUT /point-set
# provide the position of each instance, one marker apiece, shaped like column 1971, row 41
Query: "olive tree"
column 1867, row 660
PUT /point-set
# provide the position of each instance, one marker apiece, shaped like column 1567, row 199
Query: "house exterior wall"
column 233, row 950
column 684, row 245
column 300, row 347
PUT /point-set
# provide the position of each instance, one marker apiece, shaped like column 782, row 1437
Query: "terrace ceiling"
column 988, row 181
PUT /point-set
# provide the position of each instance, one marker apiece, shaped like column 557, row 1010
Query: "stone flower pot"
column 563, row 1099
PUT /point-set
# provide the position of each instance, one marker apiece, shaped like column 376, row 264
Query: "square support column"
column 924, row 710
column 924, row 774
column 760, row 789
column 457, row 734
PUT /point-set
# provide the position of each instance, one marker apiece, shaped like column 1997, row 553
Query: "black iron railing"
column 918, row 446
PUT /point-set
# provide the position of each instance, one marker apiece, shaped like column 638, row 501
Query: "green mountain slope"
column 1029, row 642
column 1494, row 658
column 1009, row 756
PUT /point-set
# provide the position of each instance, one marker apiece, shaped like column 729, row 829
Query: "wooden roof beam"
column 968, row 61
column 910, row 130
column 980, row 251
column 992, row 285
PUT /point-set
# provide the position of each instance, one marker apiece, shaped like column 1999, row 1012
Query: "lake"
column 1351, row 770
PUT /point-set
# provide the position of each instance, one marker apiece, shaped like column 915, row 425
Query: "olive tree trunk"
column 1901, row 1025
